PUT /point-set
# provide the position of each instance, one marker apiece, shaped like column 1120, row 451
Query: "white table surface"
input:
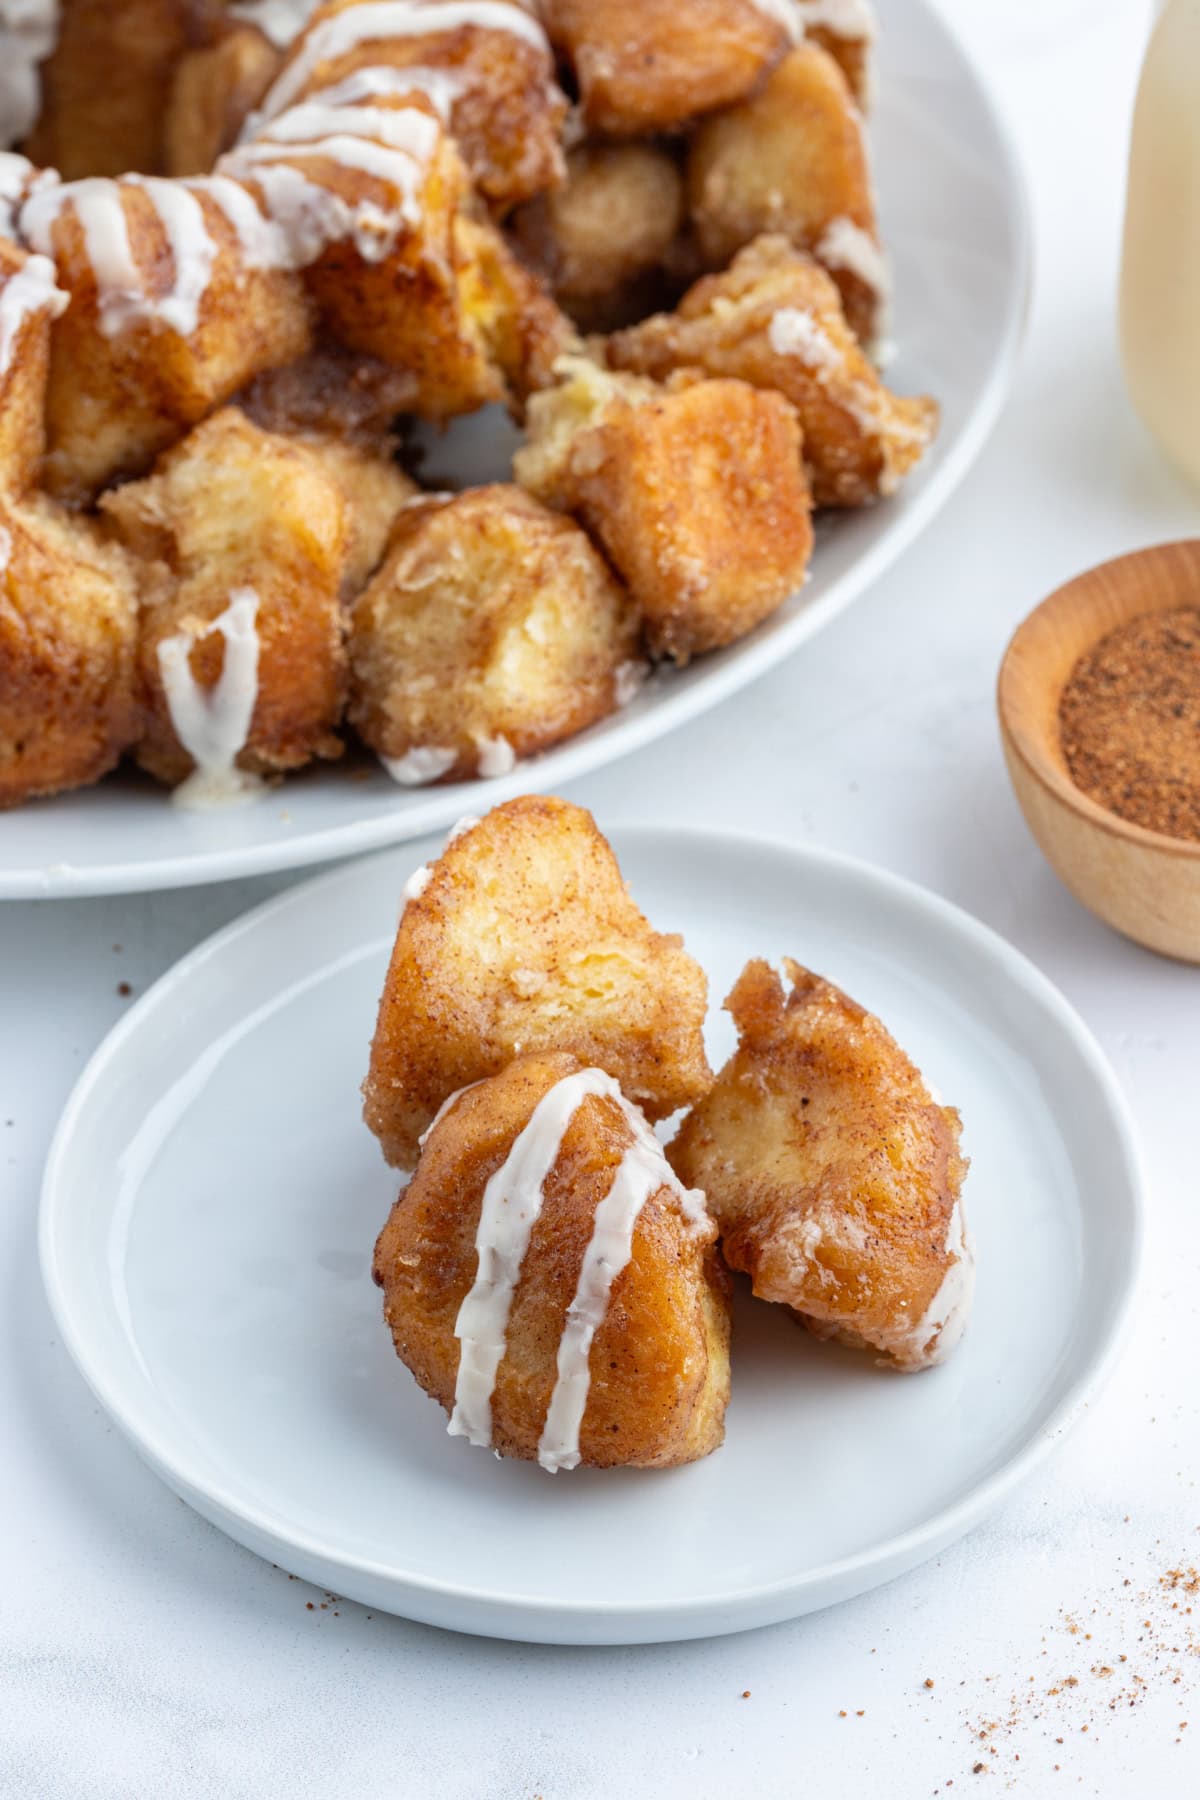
column 141, row 1653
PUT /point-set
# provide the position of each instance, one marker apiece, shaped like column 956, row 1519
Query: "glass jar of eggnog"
column 1160, row 270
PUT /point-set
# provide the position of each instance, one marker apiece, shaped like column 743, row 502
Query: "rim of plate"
column 754, row 656
column 942, row 1527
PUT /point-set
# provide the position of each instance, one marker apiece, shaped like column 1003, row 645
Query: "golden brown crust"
column 492, row 618
column 860, row 439
column 832, row 1174
column 68, row 633
column 793, row 159
column 147, row 383
column 652, row 65
column 526, row 939
column 659, row 1362
column 231, row 508
column 697, row 495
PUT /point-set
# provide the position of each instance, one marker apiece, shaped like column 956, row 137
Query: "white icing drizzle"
column 496, row 757
column 852, row 19
column 416, row 884
column 213, row 724
column 122, row 296
column 31, row 290
column 262, row 243
column 382, row 19
column 428, row 762
column 629, row 680
column 930, row 1340
column 512, row 1205
column 641, row 1172
column 29, row 29
column 845, row 245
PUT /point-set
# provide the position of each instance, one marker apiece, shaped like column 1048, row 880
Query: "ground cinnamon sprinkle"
column 1129, row 720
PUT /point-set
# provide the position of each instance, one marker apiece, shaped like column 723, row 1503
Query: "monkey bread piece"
column 774, row 319
column 487, row 69
column 103, row 86
column 214, row 87
column 492, row 631
column 550, row 1283
column 651, row 65
column 603, row 241
column 170, row 320
column 697, row 494
column 68, row 637
column 241, row 541
column 793, row 159
column 524, row 938
column 835, row 1178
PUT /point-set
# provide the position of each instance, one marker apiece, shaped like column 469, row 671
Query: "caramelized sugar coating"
column 651, row 65
column 792, row 159
column 774, row 318
column 505, row 110
column 103, row 86
column 659, row 1360
column 834, row 1176
column 525, row 939
column 228, row 509
column 602, row 240
column 492, row 629
column 697, row 494
column 68, row 636
column 147, row 381
column 214, row 88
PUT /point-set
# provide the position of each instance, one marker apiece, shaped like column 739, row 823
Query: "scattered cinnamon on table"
column 1129, row 720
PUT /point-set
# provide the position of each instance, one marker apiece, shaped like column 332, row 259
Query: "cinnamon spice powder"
column 1129, row 721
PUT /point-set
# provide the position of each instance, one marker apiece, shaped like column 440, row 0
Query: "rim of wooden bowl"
column 1045, row 647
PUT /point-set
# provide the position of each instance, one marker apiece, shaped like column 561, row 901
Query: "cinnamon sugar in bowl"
column 1099, row 701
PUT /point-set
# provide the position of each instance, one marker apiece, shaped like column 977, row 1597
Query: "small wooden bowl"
column 1141, row 882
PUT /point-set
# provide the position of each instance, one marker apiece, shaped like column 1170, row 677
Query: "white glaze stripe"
column 213, row 724
column 32, row 289
column 642, row 1171
column 512, row 1204
column 382, row 19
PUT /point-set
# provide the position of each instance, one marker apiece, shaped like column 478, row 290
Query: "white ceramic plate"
column 212, row 1200
column 954, row 215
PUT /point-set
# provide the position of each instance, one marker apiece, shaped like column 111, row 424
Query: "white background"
column 141, row 1653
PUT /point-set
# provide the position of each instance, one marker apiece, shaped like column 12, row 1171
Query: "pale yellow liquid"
column 1160, row 272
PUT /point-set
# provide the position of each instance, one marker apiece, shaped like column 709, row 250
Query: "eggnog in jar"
column 1160, row 272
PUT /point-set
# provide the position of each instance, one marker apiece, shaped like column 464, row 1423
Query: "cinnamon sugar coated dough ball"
column 129, row 376
column 492, row 629
column 524, row 938
column 602, row 238
column 68, row 635
column 697, row 494
column 834, row 1176
column 650, row 1386
column 774, row 318
column 652, row 65
column 793, row 159
column 233, row 510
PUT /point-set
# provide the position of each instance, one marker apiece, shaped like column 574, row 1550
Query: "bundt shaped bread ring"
column 349, row 214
